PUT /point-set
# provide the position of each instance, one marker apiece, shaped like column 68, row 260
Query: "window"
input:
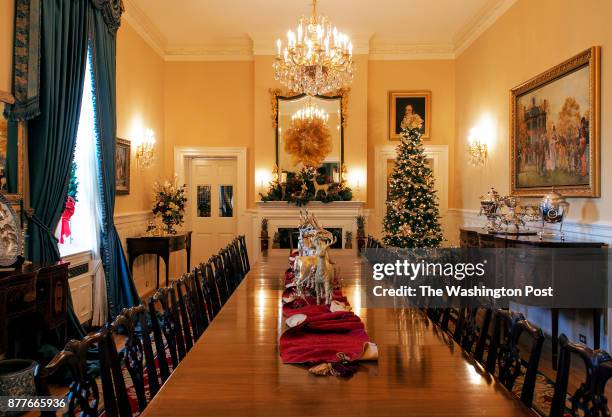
column 83, row 222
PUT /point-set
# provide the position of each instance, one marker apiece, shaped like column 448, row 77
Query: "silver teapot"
column 553, row 209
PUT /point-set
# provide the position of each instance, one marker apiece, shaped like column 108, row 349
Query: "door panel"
column 213, row 214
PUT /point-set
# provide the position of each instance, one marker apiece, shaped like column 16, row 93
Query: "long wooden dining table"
column 235, row 369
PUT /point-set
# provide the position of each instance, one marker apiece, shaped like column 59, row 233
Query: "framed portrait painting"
column 407, row 106
column 554, row 130
column 122, row 166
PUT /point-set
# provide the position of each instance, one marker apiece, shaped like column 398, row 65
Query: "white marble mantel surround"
column 281, row 214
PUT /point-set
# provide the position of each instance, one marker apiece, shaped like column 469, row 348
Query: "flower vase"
column 170, row 230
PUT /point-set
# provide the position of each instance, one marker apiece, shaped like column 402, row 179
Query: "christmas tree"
column 412, row 218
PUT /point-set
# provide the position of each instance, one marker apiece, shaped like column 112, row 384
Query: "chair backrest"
column 193, row 301
column 474, row 331
column 205, row 293
column 165, row 321
column 244, row 252
column 139, row 321
column 83, row 395
column 220, row 278
column 589, row 398
column 505, row 352
column 187, row 318
column 131, row 358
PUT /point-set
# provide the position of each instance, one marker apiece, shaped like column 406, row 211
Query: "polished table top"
column 235, row 368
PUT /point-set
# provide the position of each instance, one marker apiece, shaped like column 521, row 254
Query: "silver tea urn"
column 553, row 209
column 489, row 205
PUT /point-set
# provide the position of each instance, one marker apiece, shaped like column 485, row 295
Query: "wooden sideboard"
column 473, row 237
column 31, row 298
column 160, row 246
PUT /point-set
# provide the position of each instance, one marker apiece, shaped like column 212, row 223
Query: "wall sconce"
column 262, row 181
column 356, row 179
column 145, row 150
column 477, row 149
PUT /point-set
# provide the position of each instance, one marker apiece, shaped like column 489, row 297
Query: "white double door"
column 213, row 208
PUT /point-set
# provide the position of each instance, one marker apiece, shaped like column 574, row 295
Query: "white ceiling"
column 188, row 29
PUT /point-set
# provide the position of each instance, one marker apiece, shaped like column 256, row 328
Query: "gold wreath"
column 308, row 141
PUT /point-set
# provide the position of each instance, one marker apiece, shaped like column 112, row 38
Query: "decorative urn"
column 489, row 204
column 553, row 209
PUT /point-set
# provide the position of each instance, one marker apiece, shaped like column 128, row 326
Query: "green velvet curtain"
column 68, row 28
column 52, row 134
column 103, row 22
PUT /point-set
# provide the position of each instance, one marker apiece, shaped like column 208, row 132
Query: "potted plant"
column 361, row 237
column 348, row 240
column 264, row 237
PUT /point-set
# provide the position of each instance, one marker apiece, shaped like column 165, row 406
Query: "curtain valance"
column 111, row 12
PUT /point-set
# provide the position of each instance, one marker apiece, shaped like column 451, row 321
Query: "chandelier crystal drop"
column 317, row 58
column 310, row 111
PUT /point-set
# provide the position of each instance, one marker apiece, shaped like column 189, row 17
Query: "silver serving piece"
column 505, row 215
column 553, row 209
column 489, row 205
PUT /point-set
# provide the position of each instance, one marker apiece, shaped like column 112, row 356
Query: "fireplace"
column 338, row 217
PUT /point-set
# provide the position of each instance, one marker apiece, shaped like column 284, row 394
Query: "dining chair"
column 244, row 252
column 217, row 294
column 166, row 325
column 221, row 278
column 138, row 322
column 504, row 359
column 83, row 397
column 589, row 398
column 192, row 301
column 131, row 358
column 475, row 331
column 205, row 293
column 186, row 308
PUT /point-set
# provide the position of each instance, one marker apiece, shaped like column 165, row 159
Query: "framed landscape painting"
column 554, row 130
column 122, row 166
column 405, row 106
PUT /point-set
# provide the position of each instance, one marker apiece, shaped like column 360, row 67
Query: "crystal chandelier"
column 317, row 59
column 310, row 111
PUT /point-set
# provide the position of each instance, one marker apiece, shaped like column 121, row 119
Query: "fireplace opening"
column 288, row 237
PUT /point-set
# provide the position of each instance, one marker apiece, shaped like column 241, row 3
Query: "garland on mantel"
column 307, row 185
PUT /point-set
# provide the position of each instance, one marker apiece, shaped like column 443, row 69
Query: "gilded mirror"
column 12, row 136
column 284, row 106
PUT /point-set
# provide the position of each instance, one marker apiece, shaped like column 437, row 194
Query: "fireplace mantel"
column 280, row 214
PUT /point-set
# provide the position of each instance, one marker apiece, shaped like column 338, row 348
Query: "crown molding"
column 392, row 49
column 220, row 49
column 482, row 21
column 377, row 47
column 138, row 20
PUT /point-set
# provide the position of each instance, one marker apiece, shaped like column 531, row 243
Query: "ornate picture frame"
column 123, row 155
column 555, row 129
column 419, row 102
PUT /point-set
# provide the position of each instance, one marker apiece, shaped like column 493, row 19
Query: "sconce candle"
column 145, row 150
column 476, row 149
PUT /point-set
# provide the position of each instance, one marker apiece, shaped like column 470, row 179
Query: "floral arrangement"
column 308, row 141
column 170, row 200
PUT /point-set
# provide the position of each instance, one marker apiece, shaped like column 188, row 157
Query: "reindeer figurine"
column 325, row 274
column 320, row 187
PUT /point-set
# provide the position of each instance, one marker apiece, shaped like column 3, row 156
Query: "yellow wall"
column 209, row 104
column 529, row 38
column 384, row 76
column 140, row 106
column 7, row 9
